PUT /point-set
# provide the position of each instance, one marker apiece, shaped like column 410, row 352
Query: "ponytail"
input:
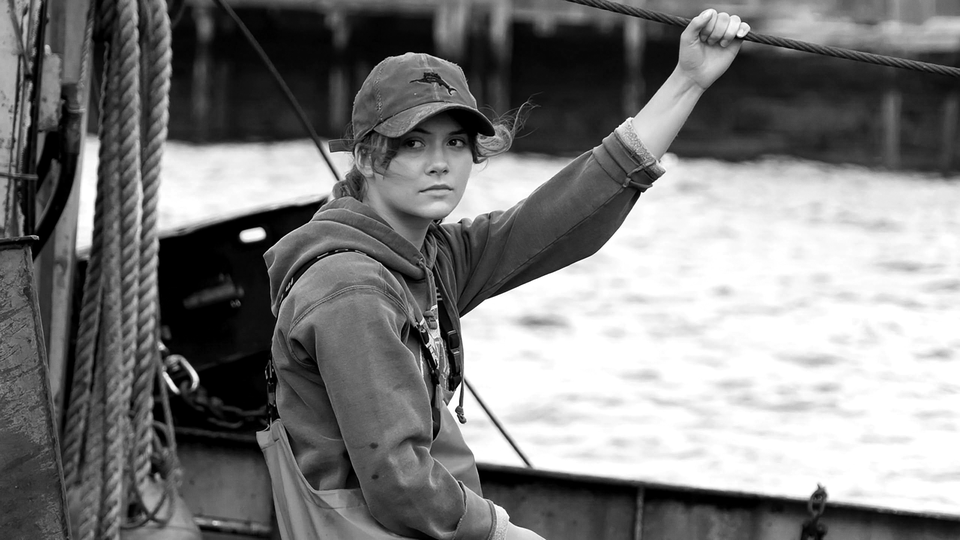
column 353, row 185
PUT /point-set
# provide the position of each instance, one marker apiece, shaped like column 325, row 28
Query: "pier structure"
column 480, row 36
column 475, row 32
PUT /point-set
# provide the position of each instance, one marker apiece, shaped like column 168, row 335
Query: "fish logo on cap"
column 432, row 77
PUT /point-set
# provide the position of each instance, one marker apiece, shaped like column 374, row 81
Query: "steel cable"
column 786, row 43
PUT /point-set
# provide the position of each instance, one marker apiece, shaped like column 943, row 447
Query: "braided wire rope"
column 786, row 43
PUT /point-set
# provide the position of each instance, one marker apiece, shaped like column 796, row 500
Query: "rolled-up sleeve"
column 566, row 219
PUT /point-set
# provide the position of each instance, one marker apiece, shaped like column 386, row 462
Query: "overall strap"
column 269, row 372
column 454, row 347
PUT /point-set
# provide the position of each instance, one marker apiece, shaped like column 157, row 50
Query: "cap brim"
column 403, row 122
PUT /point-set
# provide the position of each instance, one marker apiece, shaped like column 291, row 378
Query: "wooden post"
column 951, row 116
column 501, row 43
column 341, row 102
column 32, row 498
column 545, row 23
column 202, row 69
column 15, row 29
column 478, row 58
column 634, row 42
column 892, row 120
column 450, row 29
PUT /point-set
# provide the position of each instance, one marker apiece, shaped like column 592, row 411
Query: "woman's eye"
column 458, row 143
column 413, row 144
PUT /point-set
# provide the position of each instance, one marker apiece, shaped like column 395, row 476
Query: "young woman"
column 368, row 295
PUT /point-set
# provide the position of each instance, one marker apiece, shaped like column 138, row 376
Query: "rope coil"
column 785, row 43
column 110, row 444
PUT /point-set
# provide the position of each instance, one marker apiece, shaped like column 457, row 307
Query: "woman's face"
column 426, row 179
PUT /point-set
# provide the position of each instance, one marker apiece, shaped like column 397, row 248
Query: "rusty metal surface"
column 226, row 477
column 32, row 500
column 565, row 508
column 585, row 507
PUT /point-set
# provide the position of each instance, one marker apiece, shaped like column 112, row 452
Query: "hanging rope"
column 836, row 52
column 109, row 443
column 77, row 411
column 156, row 88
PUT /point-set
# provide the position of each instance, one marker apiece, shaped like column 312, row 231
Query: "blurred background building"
column 586, row 70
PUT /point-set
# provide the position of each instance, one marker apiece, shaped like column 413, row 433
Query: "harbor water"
column 762, row 326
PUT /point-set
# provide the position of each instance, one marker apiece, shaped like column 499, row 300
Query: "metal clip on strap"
column 270, row 374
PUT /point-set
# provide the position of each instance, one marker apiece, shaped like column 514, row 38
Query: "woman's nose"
column 438, row 163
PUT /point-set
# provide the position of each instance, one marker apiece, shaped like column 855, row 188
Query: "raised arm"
column 707, row 48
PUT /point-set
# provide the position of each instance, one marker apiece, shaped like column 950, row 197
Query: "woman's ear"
column 363, row 162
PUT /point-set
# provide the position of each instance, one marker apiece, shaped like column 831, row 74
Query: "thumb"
column 691, row 35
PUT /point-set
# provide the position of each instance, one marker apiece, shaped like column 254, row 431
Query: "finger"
column 697, row 24
column 720, row 25
column 710, row 26
column 743, row 30
column 731, row 31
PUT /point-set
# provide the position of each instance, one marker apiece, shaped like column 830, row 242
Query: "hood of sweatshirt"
column 345, row 223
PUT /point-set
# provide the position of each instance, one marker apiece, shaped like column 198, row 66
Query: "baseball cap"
column 402, row 91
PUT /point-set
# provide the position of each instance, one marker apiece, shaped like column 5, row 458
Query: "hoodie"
column 355, row 391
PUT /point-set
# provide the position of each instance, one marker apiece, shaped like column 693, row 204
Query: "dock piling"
column 450, row 29
column 634, row 43
column 951, row 117
column 501, row 45
column 202, row 64
column 339, row 82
